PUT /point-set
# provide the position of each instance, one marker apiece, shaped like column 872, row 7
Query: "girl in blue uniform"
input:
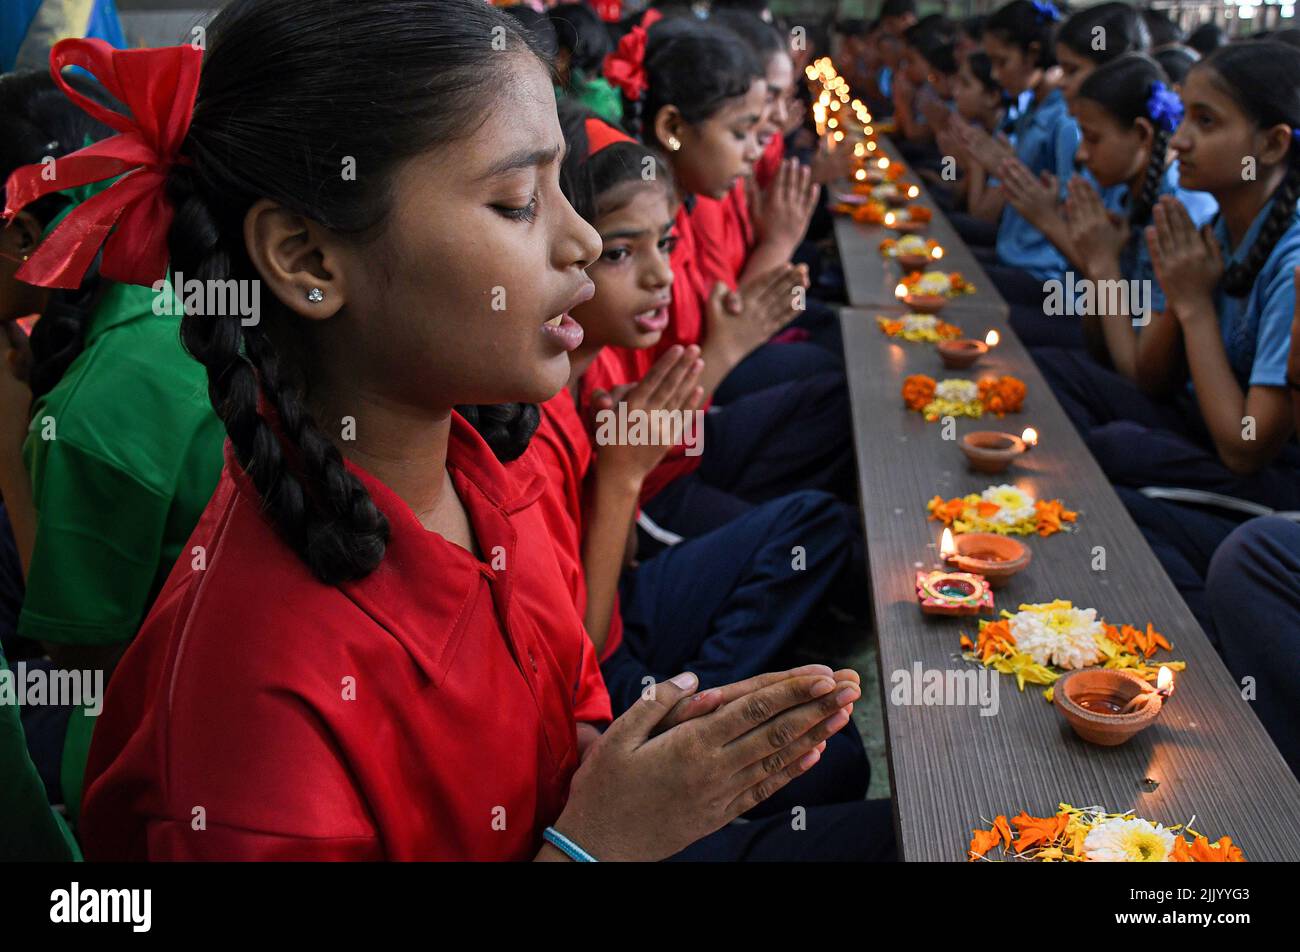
column 1018, row 40
column 1209, row 408
column 1127, row 113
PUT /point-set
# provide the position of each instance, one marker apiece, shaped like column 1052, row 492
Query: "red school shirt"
column 427, row 711
column 562, row 450
column 615, row 366
column 723, row 235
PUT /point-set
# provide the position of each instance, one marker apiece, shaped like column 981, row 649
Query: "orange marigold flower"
column 985, row 509
column 919, row 213
column 966, row 643
column 891, row 327
column 981, row 842
column 1203, row 851
column 918, row 391
column 1002, row 829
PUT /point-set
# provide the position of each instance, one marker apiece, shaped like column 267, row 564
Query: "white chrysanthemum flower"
column 957, row 391
column 933, row 282
column 1128, row 840
column 919, row 322
column 1016, row 506
column 885, row 192
column 912, row 245
column 1058, row 634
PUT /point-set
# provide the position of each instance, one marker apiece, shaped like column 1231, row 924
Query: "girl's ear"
column 669, row 126
column 1276, row 142
column 1145, row 130
column 22, row 236
column 298, row 258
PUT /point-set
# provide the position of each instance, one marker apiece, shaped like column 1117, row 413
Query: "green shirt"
column 123, row 453
column 597, row 95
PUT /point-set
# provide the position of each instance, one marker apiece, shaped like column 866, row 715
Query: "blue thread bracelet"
column 567, row 846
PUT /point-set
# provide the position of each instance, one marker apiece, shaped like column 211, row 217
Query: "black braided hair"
column 288, row 93
column 39, row 121
column 1261, row 79
column 507, row 428
column 1123, row 87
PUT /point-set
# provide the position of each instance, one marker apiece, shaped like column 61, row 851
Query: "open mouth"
column 653, row 321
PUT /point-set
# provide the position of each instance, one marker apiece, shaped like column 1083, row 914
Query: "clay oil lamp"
column 991, row 452
column 995, row 557
column 1107, row 706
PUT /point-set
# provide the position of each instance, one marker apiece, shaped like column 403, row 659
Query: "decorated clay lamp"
column 1107, row 706
column 995, row 557
column 953, row 593
column 991, row 452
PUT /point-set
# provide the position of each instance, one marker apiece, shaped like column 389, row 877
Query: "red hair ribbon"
column 625, row 67
column 601, row 134
column 130, row 218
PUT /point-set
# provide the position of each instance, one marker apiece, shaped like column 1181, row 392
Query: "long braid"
column 321, row 510
column 1238, row 279
column 1139, row 215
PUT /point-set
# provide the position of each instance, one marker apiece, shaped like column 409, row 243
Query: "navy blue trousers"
column 761, row 446
column 860, row 832
column 1254, row 595
column 1139, row 441
column 728, row 605
column 1025, row 296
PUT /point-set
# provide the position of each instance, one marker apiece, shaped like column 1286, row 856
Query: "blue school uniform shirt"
column 1257, row 328
column 1046, row 138
column 1135, row 262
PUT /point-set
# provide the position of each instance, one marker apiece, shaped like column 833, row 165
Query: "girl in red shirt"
column 723, row 605
column 789, row 433
column 362, row 655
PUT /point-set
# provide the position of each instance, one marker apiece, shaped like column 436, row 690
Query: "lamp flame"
column 1165, row 681
column 901, row 290
column 947, row 548
column 992, row 338
column 1030, row 436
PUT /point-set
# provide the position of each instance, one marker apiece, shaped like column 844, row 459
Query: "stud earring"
column 674, row 143
column 315, row 295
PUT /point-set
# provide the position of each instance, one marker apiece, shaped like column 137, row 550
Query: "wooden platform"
column 1207, row 760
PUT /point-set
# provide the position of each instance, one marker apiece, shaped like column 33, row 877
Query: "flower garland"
column 1005, row 510
column 908, row 245
column 918, row 328
column 1039, row 643
column 1090, row 834
column 956, row 397
column 937, row 282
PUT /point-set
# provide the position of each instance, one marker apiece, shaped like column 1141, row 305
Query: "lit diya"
column 953, row 593
column 991, row 452
column 1108, row 706
column 995, row 557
